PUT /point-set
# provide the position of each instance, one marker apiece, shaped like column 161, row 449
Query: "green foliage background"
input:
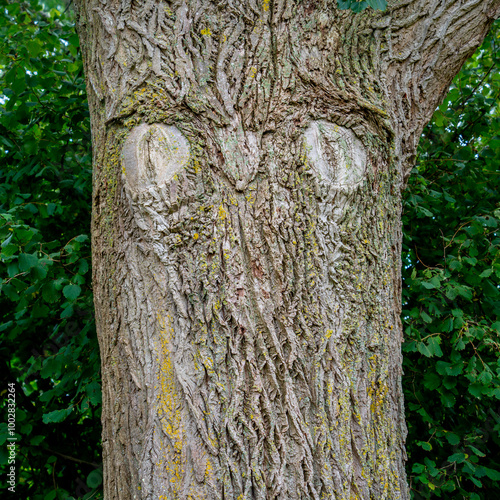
column 451, row 296
column 451, row 271
column 47, row 336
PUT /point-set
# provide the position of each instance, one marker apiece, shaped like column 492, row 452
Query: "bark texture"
column 248, row 165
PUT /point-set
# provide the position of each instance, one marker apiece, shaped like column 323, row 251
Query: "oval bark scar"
column 153, row 154
column 335, row 153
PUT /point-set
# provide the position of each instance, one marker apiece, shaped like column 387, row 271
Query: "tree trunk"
column 248, row 166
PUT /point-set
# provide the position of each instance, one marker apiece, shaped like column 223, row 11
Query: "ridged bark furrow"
column 268, row 319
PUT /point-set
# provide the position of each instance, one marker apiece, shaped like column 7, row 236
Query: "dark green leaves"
column 56, row 416
column 71, row 292
column 377, row 4
column 358, row 6
column 451, row 296
column 94, row 479
column 47, row 333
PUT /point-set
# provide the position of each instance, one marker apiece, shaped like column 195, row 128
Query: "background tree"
column 47, row 474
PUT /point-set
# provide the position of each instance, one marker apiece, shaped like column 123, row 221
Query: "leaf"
column 56, row 416
column 49, row 292
column 27, row 261
column 426, row 317
column 378, row 4
column 51, row 495
column 51, row 367
column 450, row 382
column 418, row 468
column 494, row 475
column 426, row 212
column 423, row 348
column 476, row 451
column 448, row 399
column 94, row 392
column 476, row 390
column 67, row 312
column 358, row 6
column 51, row 207
column 36, row 440
column 447, row 325
column 434, row 346
column 40, row 310
column 442, row 367
column 425, row 445
column 71, row 292
column 429, row 285
column 25, row 235
column 33, row 47
column 486, row 273
column 452, row 438
column 94, row 479
column 489, row 289
column 432, row 381
column 9, row 250
column 476, row 481
column 439, row 118
column 83, row 267
column 457, row 457
column 344, row 4
column 485, row 377
column 465, row 292
column 455, row 369
column 40, row 271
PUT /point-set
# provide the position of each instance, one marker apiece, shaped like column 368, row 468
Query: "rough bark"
column 248, row 165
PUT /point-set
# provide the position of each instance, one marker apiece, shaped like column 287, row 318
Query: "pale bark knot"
column 153, row 154
column 335, row 154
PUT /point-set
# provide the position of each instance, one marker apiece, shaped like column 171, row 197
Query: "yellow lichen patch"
column 222, row 213
column 206, row 32
column 170, row 408
column 208, row 469
column 196, row 166
column 378, row 394
column 266, row 4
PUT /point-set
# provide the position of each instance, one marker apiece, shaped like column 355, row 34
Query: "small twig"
column 453, row 237
column 68, row 6
column 67, row 457
column 465, row 99
column 15, row 276
column 421, row 262
column 53, row 474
